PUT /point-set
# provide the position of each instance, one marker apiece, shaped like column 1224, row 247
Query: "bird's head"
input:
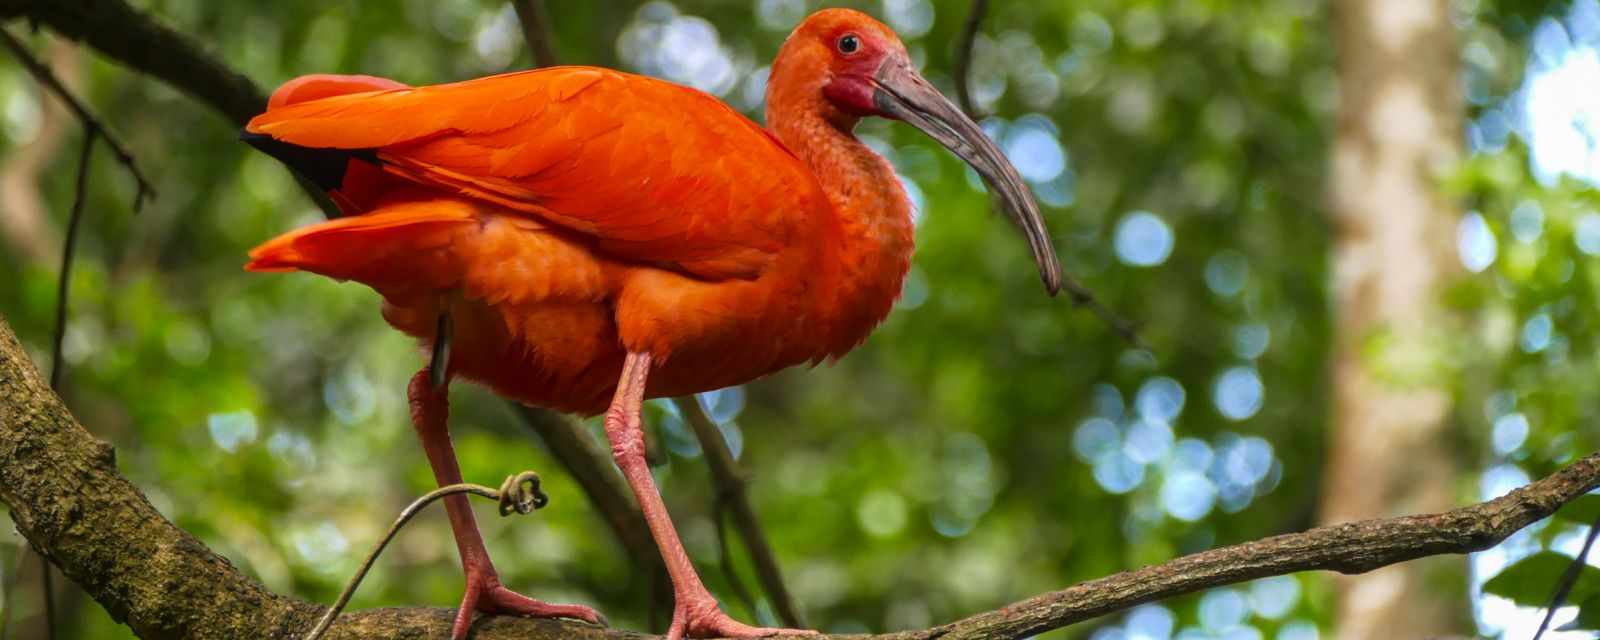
column 862, row 69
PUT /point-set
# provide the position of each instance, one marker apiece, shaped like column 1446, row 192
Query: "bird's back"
column 567, row 215
column 653, row 172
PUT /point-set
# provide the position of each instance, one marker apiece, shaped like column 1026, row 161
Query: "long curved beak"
column 904, row 94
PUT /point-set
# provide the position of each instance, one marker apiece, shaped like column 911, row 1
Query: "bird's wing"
column 653, row 172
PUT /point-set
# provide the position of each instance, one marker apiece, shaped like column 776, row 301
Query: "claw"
column 701, row 618
column 486, row 595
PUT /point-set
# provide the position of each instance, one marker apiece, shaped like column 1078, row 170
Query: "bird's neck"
column 867, row 265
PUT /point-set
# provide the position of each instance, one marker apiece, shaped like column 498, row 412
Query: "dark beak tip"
column 1052, row 282
column 902, row 94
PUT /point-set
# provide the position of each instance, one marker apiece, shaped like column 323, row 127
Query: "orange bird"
column 581, row 239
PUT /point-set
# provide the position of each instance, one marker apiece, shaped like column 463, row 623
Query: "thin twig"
column 730, row 485
column 1080, row 295
column 47, row 584
column 132, row 38
column 518, row 494
column 586, row 460
column 589, row 463
column 719, row 512
column 536, row 29
column 1569, row 578
column 964, row 46
column 137, row 559
column 11, row 588
column 64, row 277
column 92, row 130
column 48, row 78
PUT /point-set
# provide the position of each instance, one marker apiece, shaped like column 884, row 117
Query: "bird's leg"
column 429, row 408
column 439, row 361
column 695, row 613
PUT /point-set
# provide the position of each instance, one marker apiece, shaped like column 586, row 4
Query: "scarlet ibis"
column 583, row 239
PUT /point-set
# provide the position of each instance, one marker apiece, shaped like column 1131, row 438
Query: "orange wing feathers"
column 399, row 243
column 427, row 245
column 324, row 85
column 637, row 164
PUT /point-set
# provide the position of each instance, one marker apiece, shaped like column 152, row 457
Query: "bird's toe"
column 497, row 599
column 706, row 620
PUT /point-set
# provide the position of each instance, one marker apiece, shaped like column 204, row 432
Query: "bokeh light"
column 1238, row 393
column 686, row 49
column 1475, row 243
column 232, row 430
column 1143, row 239
column 1227, row 272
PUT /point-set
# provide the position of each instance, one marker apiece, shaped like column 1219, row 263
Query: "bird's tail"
column 407, row 245
column 351, row 177
column 326, row 85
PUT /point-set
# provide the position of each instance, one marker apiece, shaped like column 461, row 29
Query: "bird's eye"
column 849, row 43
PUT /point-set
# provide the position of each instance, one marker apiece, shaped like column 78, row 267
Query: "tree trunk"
column 1399, row 126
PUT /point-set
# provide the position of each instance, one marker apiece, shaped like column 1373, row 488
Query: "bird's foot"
column 487, row 595
column 699, row 617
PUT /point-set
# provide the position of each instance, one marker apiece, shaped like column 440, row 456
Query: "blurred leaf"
column 1214, row 116
column 1516, row 18
column 1588, row 615
column 1585, row 509
column 1531, row 580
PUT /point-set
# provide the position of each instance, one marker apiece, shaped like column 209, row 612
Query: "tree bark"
column 1398, row 61
column 68, row 500
column 140, row 42
column 1399, row 125
column 75, row 509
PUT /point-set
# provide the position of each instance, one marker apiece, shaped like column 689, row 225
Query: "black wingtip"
column 323, row 167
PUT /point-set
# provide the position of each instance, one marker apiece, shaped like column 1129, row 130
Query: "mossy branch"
column 75, row 509
column 140, row 42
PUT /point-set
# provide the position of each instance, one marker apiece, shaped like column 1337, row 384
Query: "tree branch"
column 93, row 130
column 75, row 509
column 730, row 486
column 143, row 44
column 91, row 125
column 536, row 30
column 963, row 66
column 1080, row 294
column 583, row 458
column 590, row 464
column 72, row 506
column 1350, row 548
column 64, row 277
column 1568, row 579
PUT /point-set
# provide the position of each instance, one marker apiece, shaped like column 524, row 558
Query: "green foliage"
column 1518, row 17
column 934, row 472
column 1584, row 510
column 1588, row 614
column 1531, row 581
